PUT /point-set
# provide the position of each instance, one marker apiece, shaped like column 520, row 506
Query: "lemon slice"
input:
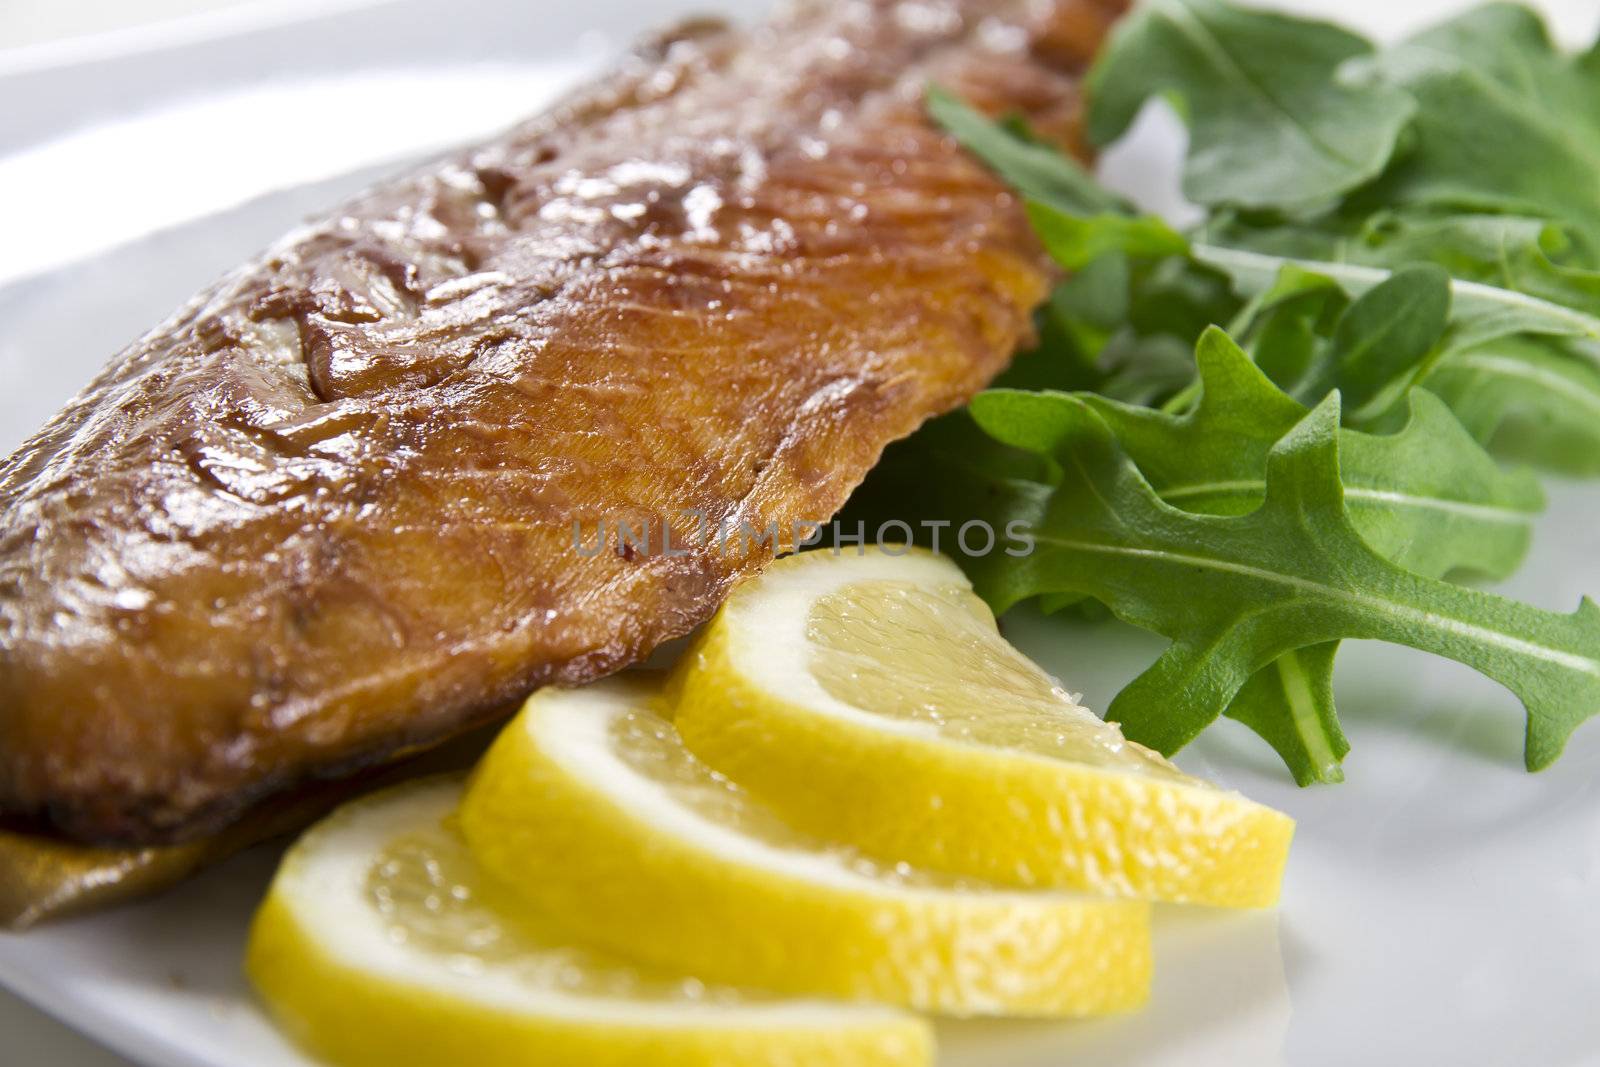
column 873, row 691
column 589, row 805
column 379, row 944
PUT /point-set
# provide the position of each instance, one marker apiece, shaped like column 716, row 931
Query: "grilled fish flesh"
column 324, row 515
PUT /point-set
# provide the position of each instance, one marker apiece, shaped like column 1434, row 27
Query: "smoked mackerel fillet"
column 324, row 515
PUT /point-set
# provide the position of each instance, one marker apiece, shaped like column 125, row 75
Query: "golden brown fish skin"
column 324, row 514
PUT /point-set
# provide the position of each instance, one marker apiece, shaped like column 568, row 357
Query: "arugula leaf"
column 1037, row 171
column 1123, row 323
column 1524, row 255
column 1520, row 255
column 1170, row 302
column 1504, row 122
column 1075, row 241
column 1144, row 369
column 1480, row 312
column 1425, row 215
column 1521, row 372
column 1271, row 124
column 1289, row 704
column 1236, row 592
column 1380, row 343
column 1284, row 327
column 1493, row 180
column 1427, row 497
column 1530, row 402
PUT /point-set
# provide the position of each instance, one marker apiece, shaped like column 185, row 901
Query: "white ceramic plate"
column 1440, row 905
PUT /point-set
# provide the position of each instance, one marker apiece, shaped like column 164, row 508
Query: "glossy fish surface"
column 352, row 499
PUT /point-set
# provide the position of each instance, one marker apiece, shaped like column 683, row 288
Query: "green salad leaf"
column 1404, row 247
column 1273, row 125
column 1533, row 403
column 1234, row 593
column 1075, row 241
column 1481, row 312
column 1504, row 121
column 1380, row 344
column 1522, row 371
column 1519, row 254
column 1426, row 497
column 1037, row 171
column 1289, row 704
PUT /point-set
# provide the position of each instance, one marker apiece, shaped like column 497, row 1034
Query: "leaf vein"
column 1379, row 605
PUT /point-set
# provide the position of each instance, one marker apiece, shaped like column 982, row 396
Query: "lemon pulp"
column 650, row 746
column 931, row 655
column 873, row 697
column 433, row 898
